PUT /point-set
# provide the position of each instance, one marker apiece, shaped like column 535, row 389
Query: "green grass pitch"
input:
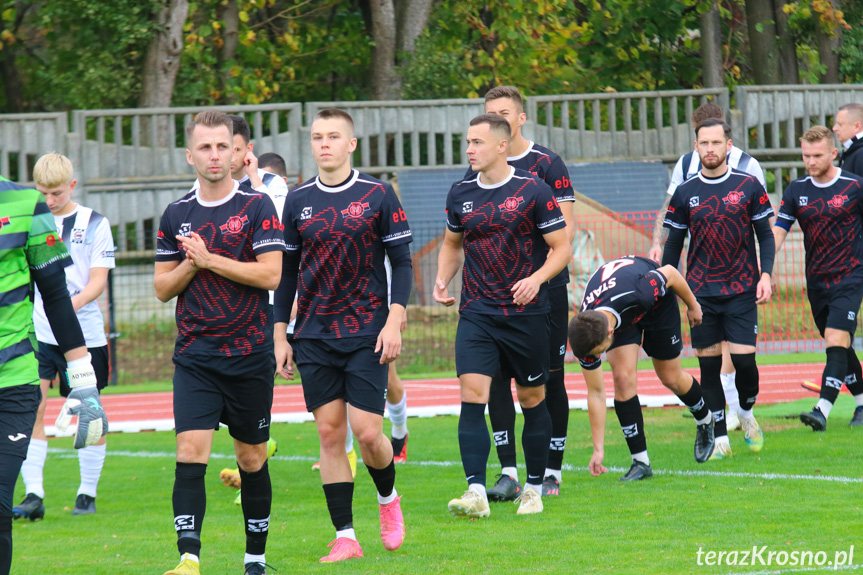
column 804, row 492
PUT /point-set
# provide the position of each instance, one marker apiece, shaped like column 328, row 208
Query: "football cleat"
column 753, row 436
column 400, row 449
column 721, row 451
column 231, row 477
column 84, row 505
column 814, row 419
column 704, row 441
column 257, row 568
column 505, row 489
column 857, row 419
column 471, row 504
column 186, row 567
column 392, row 524
column 638, row 471
column 550, row 486
column 343, row 548
column 732, row 420
column 529, row 502
column 32, row 508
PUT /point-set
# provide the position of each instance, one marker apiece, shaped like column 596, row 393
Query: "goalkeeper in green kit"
column 31, row 251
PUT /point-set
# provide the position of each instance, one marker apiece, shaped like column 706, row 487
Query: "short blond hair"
column 816, row 134
column 53, row 170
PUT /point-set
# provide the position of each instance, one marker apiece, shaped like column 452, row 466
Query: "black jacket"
column 852, row 158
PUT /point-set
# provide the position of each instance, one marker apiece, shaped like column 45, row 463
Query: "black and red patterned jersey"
column 830, row 217
column 343, row 233
column 217, row 316
column 503, row 225
column 719, row 214
column 548, row 167
column 628, row 288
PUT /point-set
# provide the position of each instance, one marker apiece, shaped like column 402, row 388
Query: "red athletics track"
column 135, row 412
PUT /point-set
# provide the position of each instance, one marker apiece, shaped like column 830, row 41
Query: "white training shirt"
column 735, row 157
column 87, row 235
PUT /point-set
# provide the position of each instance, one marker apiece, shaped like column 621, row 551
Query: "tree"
column 163, row 55
column 395, row 28
column 786, row 45
column 711, row 47
column 762, row 45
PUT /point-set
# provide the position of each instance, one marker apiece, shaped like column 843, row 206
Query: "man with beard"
column 720, row 209
column 827, row 203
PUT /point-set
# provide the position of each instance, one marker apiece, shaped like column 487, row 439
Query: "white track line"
column 63, row 453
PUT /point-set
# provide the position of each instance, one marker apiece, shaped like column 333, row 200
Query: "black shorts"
column 558, row 320
column 236, row 391
column 836, row 308
column 53, row 362
column 516, row 344
column 658, row 332
column 346, row 368
column 732, row 318
column 18, row 405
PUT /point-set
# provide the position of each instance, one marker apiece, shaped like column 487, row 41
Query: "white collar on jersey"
column 355, row 175
column 719, row 180
column 197, row 190
column 523, row 154
column 830, row 183
column 497, row 185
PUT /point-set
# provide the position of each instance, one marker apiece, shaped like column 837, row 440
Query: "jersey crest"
column 235, row 224
column 355, row 209
column 837, row 201
column 77, row 236
column 733, row 198
column 511, row 203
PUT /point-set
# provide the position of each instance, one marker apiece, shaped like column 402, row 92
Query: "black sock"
column 190, row 502
column 694, row 400
column 5, row 544
column 632, row 423
column 746, row 380
column 711, row 390
column 385, row 479
column 340, row 497
column 501, row 412
column 534, row 441
column 473, row 441
column 834, row 374
column 558, row 408
column 854, row 379
column 257, row 501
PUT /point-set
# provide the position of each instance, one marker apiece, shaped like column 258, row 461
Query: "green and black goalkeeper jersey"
column 28, row 241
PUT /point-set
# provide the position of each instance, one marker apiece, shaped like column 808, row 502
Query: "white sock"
column 349, row 441
column 189, row 556
column 31, row 470
column 254, row 559
column 722, row 439
column 642, row 457
column 479, row 489
column 730, row 389
column 511, row 471
column 388, row 499
column 349, row 533
column 825, row 407
column 535, row 488
column 91, row 460
column 859, row 399
column 556, row 473
column 745, row 414
column 399, row 417
column 706, row 419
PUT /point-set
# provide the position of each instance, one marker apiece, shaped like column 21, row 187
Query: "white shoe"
column 529, row 502
column 721, row 451
column 732, row 421
column 471, row 504
column 753, row 436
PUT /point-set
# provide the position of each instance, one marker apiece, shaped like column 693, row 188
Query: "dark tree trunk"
column 711, row 48
column 762, row 41
column 828, row 50
column 230, row 14
column 787, row 47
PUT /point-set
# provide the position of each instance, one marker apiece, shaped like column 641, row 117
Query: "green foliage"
column 288, row 50
column 81, row 54
column 851, row 55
